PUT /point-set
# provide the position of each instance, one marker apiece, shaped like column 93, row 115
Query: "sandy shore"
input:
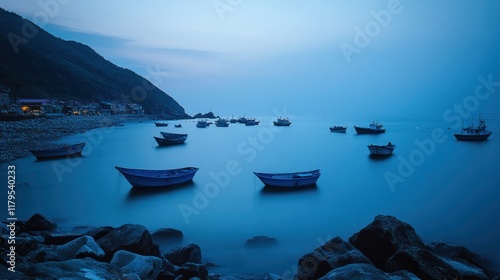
column 17, row 138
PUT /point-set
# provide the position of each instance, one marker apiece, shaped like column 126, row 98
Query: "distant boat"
column 201, row 124
column 143, row 178
column 338, row 129
column 374, row 128
column 251, row 122
column 65, row 151
column 383, row 150
column 178, row 125
column 221, row 123
column 161, row 124
column 294, row 179
column 233, row 120
column 474, row 133
column 282, row 122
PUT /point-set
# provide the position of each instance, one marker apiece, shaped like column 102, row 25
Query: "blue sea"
column 446, row 189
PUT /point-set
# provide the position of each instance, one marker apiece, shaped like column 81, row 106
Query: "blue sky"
column 236, row 56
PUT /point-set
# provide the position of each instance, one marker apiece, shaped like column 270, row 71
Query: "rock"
column 357, row 271
column 460, row 253
column 129, row 237
column 74, row 269
column 335, row 253
column 189, row 270
column 258, row 241
column 427, row 265
column 168, row 234
column 38, row 222
column 60, row 238
column 191, row 253
column 82, row 230
column 79, row 248
column 17, row 275
column 402, row 275
column 99, row 232
column 383, row 237
column 146, row 267
column 25, row 244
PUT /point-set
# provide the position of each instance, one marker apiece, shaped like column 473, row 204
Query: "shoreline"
column 385, row 249
column 18, row 137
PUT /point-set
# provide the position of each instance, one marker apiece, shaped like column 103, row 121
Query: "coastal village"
column 18, row 106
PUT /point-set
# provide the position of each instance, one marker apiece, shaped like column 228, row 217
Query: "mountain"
column 36, row 64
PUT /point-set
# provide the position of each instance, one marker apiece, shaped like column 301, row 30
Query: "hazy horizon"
column 327, row 58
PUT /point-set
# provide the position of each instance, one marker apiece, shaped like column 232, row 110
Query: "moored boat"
column 251, row 122
column 202, row 124
column 338, row 129
column 168, row 142
column 282, row 122
column 381, row 150
column 294, row 179
column 168, row 135
column 161, row 124
column 178, row 125
column 474, row 133
column 221, row 123
column 70, row 150
column 144, row 178
column 373, row 128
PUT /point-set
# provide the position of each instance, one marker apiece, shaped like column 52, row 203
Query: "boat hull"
column 169, row 142
column 377, row 150
column 472, row 137
column 338, row 130
column 71, row 150
column 366, row 130
column 142, row 178
column 289, row 180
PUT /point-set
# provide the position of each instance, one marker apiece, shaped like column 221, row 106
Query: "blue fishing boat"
column 282, row 122
column 474, row 133
column 294, row 179
column 373, row 128
column 221, row 123
column 144, row 178
column 70, row 150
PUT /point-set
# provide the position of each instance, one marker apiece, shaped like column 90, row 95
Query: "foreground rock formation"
column 385, row 249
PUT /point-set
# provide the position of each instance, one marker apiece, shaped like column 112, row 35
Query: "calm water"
column 451, row 194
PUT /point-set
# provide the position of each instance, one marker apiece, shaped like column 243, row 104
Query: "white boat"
column 144, row 178
column 294, row 179
column 381, row 150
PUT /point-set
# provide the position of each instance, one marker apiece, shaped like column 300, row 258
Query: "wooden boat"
column 168, row 142
column 161, row 124
column 178, row 125
column 474, row 133
column 381, row 150
column 294, row 179
column 143, row 178
column 338, row 129
column 374, row 128
column 282, row 122
column 65, row 151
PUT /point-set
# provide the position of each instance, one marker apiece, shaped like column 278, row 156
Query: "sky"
column 320, row 58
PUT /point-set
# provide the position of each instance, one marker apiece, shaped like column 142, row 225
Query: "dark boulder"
column 38, row 222
column 129, row 237
column 168, row 234
column 25, row 243
column 250, row 276
column 259, row 241
column 146, row 267
column 383, row 237
column 74, row 269
column 60, row 238
column 361, row 271
column 82, row 230
column 427, row 265
column 82, row 247
column 98, row 233
column 334, row 253
column 460, row 253
column 190, row 270
column 5, row 273
column 191, row 253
